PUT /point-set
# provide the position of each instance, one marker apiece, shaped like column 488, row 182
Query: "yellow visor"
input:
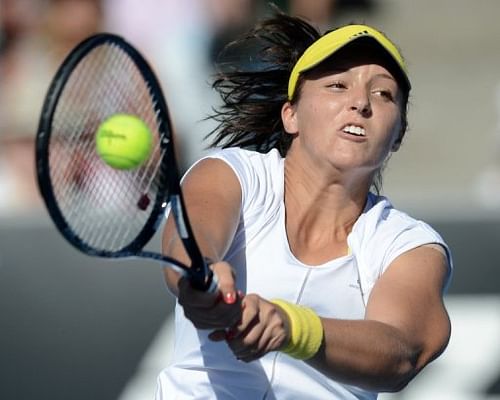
column 333, row 41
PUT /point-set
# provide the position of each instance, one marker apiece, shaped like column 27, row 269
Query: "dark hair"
column 253, row 92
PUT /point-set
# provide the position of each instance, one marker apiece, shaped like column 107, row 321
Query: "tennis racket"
column 102, row 211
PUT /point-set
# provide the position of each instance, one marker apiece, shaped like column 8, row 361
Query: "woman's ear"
column 289, row 118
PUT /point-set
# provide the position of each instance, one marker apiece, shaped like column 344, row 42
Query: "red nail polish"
column 230, row 298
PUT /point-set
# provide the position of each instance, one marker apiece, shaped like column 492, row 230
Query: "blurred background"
column 73, row 327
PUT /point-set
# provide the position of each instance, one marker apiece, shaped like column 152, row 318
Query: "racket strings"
column 78, row 142
column 101, row 204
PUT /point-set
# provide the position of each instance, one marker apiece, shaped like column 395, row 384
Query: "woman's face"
column 348, row 115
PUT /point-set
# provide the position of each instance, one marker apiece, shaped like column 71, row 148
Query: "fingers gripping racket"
column 100, row 210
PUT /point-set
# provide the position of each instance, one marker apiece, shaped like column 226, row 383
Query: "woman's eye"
column 386, row 94
column 337, row 85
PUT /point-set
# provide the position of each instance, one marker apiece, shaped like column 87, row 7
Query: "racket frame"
column 198, row 272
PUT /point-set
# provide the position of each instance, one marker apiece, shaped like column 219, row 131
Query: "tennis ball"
column 123, row 141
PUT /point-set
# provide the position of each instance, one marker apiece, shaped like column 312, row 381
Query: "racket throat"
column 201, row 275
column 180, row 217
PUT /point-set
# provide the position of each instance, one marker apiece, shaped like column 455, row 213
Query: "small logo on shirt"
column 356, row 285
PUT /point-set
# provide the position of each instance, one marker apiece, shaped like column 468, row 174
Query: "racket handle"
column 213, row 283
column 203, row 278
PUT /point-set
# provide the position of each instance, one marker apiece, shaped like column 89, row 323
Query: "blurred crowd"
column 35, row 35
column 180, row 39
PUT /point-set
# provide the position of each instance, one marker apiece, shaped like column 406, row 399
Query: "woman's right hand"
column 218, row 310
column 213, row 198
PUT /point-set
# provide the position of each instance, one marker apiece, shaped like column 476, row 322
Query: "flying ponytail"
column 253, row 93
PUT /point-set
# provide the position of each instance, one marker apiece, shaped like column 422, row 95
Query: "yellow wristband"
column 306, row 330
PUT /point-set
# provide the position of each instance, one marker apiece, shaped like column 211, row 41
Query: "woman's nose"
column 361, row 103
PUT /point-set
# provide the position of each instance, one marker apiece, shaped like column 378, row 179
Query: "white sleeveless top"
column 264, row 264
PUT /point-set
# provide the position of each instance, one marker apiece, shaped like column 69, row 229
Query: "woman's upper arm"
column 409, row 297
column 212, row 195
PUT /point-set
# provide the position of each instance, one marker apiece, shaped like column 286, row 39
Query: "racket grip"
column 203, row 278
column 212, row 278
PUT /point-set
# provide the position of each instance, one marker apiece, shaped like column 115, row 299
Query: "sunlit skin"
column 364, row 95
column 328, row 172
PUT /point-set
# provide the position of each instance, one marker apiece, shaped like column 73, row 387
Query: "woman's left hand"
column 263, row 328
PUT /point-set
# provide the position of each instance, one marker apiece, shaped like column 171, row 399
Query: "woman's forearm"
column 369, row 354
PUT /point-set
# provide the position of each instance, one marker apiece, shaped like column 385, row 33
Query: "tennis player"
column 326, row 291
